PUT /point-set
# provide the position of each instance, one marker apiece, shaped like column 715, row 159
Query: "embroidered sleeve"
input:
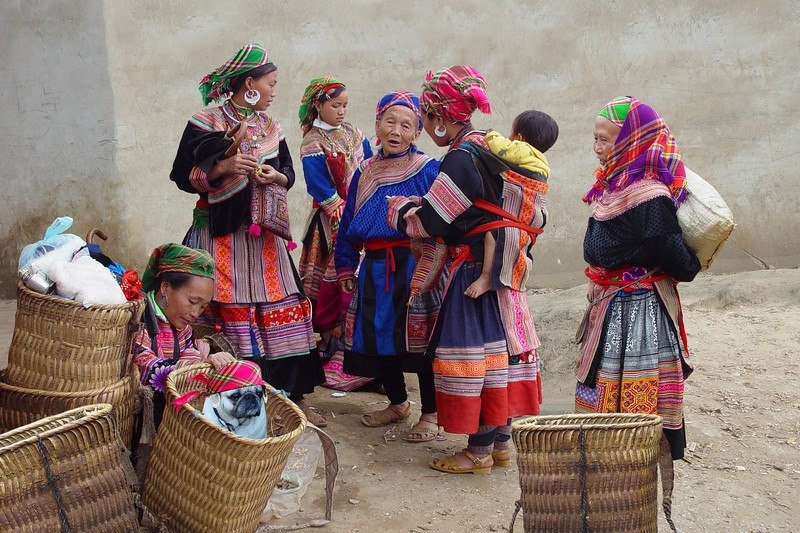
column 189, row 352
column 450, row 195
column 318, row 180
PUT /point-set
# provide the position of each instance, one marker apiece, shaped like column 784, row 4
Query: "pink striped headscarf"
column 455, row 93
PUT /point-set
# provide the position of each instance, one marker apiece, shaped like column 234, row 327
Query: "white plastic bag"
column 298, row 473
column 705, row 219
column 85, row 280
column 56, row 245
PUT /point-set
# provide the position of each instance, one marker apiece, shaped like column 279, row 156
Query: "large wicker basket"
column 594, row 472
column 60, row 345
column 20, row 406
column 203, row 478
column 66, row 473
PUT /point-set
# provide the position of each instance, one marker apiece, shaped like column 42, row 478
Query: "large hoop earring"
column 252, row 96
column 440, row 131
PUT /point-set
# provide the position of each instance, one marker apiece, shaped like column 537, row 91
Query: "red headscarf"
column 229, row 377
column 455, row 93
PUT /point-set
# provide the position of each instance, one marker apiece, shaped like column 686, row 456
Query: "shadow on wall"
column 57, row 128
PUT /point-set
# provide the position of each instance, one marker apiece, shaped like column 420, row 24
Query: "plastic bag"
column 56, row 245
column 298, row 473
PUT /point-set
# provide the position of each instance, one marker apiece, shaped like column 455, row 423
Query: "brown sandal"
column 384, row 417
column 452, row 466
column 424, row 431
column 501, row 457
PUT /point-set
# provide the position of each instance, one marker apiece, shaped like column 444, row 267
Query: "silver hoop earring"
column 252, row 96
column 440, row 131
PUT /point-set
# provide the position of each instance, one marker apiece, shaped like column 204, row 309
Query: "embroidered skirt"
column 477, row 384
column 637, row 367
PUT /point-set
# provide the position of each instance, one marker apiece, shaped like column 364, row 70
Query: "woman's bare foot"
column 311, row 415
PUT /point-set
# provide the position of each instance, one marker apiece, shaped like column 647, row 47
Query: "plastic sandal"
column 423, row 433
column 501, row 457
column 451, row 465
column 384, row 417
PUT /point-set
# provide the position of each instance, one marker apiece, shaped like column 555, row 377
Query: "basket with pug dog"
column 220, row 452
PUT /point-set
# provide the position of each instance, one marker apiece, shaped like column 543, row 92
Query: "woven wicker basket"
column 201, row 477
column 594, row 472
column 59, row 345
column 20, row 406
column 66, row 473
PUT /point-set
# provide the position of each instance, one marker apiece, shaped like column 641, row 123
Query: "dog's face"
column 239, row 410
column 242, row 403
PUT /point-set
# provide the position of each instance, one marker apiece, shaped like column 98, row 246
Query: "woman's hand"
column 269, row 175
column 347, row 285
column 220, row 359
column 236, row 164
column 203, row 347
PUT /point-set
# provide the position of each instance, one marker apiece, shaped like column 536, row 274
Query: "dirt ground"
column 742, row 468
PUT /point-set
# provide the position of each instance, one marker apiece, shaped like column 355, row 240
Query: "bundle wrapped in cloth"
column 705, row 219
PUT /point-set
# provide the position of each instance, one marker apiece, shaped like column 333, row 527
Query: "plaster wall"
column 95, row 94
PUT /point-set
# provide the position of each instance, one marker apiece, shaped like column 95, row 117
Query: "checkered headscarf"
column 402, row 98
column 229, row 377
column 216, row 85
column 455, row 93
column 173, row 257
column 644, row 149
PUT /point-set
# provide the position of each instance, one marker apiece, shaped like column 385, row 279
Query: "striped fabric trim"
column 379, row 172
column 447, row 199
column 614, row 203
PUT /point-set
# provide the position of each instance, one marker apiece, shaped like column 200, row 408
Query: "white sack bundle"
column 705, row 219
column 87, row 281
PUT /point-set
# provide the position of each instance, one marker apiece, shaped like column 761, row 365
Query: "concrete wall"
column 95, row 94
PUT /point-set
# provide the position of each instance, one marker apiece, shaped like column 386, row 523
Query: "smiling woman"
column 384, row 337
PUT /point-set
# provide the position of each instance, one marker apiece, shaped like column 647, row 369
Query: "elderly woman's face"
column 397, row 129
column 605, row 133
column 186, row 303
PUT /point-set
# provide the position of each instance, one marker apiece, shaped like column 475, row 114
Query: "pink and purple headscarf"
column 644, row 149
column 455, row 93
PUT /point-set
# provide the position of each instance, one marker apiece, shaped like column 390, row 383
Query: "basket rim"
column 91, row 412
column 72, row 303
column 271, row 392
column 638, row 420
column 120, row 383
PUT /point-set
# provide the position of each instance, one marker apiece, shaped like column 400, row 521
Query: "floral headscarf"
column 644, row 149
column 455, row 93
column 216, row 85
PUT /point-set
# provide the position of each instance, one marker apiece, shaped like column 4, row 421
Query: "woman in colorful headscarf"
column 479, row 388
column 258, row 299
column 384, row 336
column 331, row 151
column 633, row 343
column 178, row 284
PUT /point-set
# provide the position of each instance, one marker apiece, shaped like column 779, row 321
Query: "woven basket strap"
column 582, row 477
column 517, row 507
column 52, row 484
column 667, row 479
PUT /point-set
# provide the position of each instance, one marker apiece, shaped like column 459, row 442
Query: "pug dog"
column 240, row 411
